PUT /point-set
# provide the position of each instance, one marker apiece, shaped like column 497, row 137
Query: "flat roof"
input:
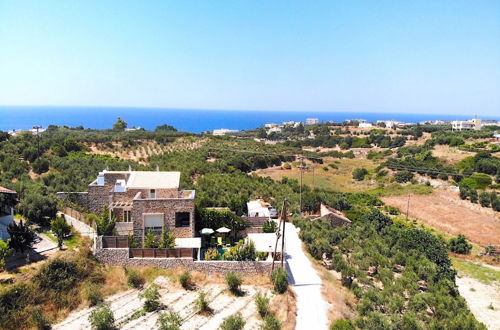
column 265, row 242
column 153, row 180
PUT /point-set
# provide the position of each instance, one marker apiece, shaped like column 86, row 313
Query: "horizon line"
column 240, row 109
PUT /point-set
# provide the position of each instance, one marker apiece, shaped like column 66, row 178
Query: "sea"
column 188, row 120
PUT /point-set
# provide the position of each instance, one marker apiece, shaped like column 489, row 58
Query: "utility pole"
column 278, row 235
column 301, row 175
column 37, row 140
column 408, row 206
column 285, row 202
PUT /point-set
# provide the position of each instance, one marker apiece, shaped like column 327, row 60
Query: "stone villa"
column 142, row 201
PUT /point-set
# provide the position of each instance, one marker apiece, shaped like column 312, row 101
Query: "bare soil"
column 483, row 300
column 445, row 211
column 173, row 298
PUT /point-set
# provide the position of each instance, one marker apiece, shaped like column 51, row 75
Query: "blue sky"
column 386, row 56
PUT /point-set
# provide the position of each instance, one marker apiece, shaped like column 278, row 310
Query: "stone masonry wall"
column 120, row 257
column 168, row 207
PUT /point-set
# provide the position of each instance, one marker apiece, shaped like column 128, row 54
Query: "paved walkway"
column 312, row 309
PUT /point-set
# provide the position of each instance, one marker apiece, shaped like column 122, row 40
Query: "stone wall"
column 120, row 257
column 168, row 207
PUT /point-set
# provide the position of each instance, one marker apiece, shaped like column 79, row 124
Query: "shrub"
column 38, row 320
column 202, row 303
column 5, row 251
column 152, row 298
column 242, row 252
column 342, row 325
column 185, row 279
column 377, row 218
column 459, row 245
column 359, row 174
column 269, row 226
column 271, row 323
column 59, row 275
column 279, row 278
column 262, row 304
column 102, row 318
column 41, row 165
column 473, row 195
column 167, row 239
column 212, row 254
column 484, row 199
column 150, row 240
column 93, row 294
column 403, row 176
column 287, row 166
column 61, row 229
column 233, row 322
column 134, row 279
column 169, row 321
column 233, row 281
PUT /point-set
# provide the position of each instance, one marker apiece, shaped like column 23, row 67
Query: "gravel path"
column 312, row 309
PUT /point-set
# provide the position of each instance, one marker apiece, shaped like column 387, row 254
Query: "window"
column 153, row 222
column 152, row 193
column 182, row 219
column 127, row 216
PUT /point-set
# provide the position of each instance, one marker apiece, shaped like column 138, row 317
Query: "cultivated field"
column 174, row 298
column 445, row 211
column 145, row 148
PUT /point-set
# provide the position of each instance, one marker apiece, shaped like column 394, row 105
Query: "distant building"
column 490, row 123
column 472, row 124
column 363, row 123
column 224, row 131
column 312, row 121
column 258, row 208
column 276, row 129
column 7, row 211
column 271, row 125
column 33, row 131
column 389, row 123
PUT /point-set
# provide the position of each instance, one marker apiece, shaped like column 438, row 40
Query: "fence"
column 73, row 213
column 115, row 242
column 121, row 242
column 162, row 253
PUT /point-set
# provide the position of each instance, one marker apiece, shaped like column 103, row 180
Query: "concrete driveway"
column 312, row 309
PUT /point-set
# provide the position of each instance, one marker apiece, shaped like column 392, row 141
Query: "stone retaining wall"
column 120, row 257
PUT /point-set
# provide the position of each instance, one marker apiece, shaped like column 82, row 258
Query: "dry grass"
column 115, row 281
column 450, row 155
column 284, row 307
column 339, row 179
column 445, row 211
column 342, row 301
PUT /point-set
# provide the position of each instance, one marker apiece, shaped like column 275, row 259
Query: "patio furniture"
column 206, row 231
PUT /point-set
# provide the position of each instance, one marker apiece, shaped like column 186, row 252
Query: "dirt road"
column 444, row 210
column 312, row 309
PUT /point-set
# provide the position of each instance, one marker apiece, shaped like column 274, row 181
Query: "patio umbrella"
column 206, row 231
column 223, row 230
